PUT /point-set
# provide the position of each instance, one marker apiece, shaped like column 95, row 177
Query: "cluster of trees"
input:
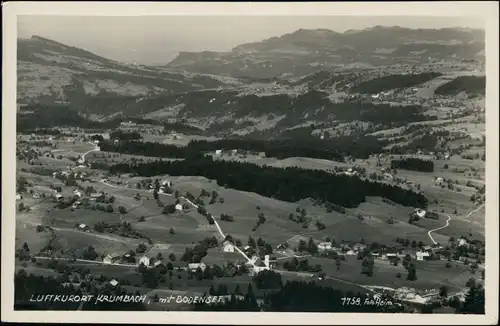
column 469, row 84
column 413, row 164
column 203, row 211
column 260, row 246
column 289, row 184
column 301, row 266
column 195, row 254
column 26, row 286
column 391, row 82
column 300, row 218
column 182, row 128
column 123, row 229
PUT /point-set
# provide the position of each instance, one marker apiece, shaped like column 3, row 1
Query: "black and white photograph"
column 240, row 161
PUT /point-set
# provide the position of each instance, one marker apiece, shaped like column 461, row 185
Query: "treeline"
column 413, row 164
column 182, row 128
column 26, row 286
column 43, row 131
column 469, row 84
column 50, row 116
column 290, row 184
column 334, row 149
column 145, row 148
column 391, row 82
column 123, row 135
column 299, row 296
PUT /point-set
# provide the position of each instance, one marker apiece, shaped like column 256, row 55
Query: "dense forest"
column 413, row 164
column 469, row 84
column 26, row 286
column 334, row 149
column 289, row 184
column 49, row 116
column 391, row 82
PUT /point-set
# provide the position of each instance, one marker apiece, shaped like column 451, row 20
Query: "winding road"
column 448, row 223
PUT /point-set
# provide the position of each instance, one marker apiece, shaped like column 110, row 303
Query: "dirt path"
column 448, row 223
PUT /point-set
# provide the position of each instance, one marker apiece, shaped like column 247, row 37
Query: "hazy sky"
column 158, row 39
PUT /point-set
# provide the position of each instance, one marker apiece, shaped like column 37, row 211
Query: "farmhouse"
column 178, row 207
column 422, row 255
column 419, row 212
column 111, row 258
column 324, row 246
column 144, row 260
column 113, row 282
column 462, row 242
column 96, row 195
column 439, row 180
column 19, row 196
column 166, row 183
column 158, row 262
column 77, row 192
column 36, row 195
column 228, row 246
column 83, row 227
column 59, row 197
column 194, row 266
column 218, row 152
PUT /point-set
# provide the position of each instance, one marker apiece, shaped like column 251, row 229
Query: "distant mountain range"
column 275, row 76
column 305, row 51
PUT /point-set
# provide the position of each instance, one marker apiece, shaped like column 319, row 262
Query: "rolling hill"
column 305, row 51
column 50, row 72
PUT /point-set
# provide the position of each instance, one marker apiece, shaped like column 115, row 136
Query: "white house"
column 178, row 207
column 421, row 255
column 439, row 180
column 83, row 227
column 144, row 260
column 419, row 212
column 111, row 258
column 158, row 262
column 36, row 195
column 194, row 266
column 113, row 282
column 166, row 183
column 462, row 242
column 77, row 192
column 18, row 197
column 218, row 152
column 228, row 246
column 59, row 197
column 325, row 246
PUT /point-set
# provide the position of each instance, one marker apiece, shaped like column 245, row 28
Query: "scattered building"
column 166, row 183
column 111, row 258
column 419, row 212
column 227, row 246
column 19, row 197
column 194, row 266
column 83, row 227
column 322, row 246
column 77, row 193
column 144, row 260
column 218, row 152
column 59, row 197
column 178, row 207
column 113, row 282
column 422, row 255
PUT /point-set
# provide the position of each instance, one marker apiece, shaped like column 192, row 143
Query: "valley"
column 269, row 168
